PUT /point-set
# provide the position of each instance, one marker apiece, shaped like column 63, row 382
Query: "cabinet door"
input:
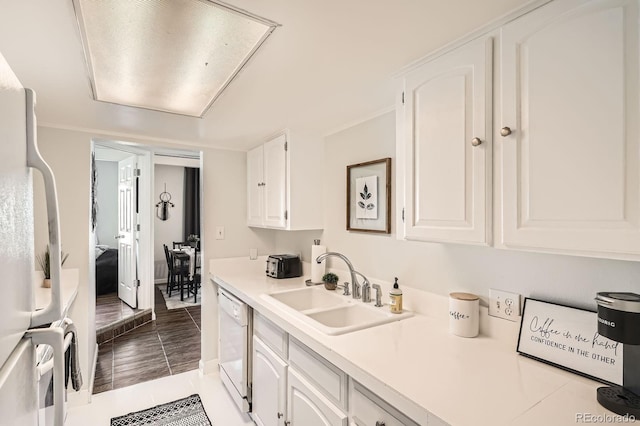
column 308, row 407
column 569, row 94
column 269, row 389
column 275, row 179
column 366, row 408
column 255, row 186
column 447, row 137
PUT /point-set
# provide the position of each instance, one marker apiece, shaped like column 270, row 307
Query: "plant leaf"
column 368, row 196
column 363, row 196
column 370, row 206
column 366, row 190
column 361, row 204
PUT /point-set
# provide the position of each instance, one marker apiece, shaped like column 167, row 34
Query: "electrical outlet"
column 504, row 304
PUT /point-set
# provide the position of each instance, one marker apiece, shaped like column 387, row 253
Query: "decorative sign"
column 568, row 338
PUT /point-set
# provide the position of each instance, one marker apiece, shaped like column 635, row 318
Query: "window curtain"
column 191, row 202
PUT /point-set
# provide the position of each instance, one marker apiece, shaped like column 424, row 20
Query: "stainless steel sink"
column 330, row 312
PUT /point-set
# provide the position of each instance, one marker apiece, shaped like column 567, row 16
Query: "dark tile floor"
column 110, row 309
column 169, row 345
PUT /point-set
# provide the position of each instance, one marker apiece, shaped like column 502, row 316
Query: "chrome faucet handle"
column 378, row 295
column 366, row 292
column 355, row 289
column 346, row 289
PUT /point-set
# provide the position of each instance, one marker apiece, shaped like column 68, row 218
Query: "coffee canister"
column 464, row 314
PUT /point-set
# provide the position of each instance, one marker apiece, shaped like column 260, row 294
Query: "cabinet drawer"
column 272, row 335
column 366, row 409
column 328, row 378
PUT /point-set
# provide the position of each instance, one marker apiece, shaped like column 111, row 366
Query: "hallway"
column 167, row 346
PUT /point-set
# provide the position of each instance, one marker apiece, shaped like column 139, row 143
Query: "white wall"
column 224, row 204
column 442, row 268
column 170, row 230
column 107, row 196
column 69, row 156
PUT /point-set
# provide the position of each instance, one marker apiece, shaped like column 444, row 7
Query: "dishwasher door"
column 234, row 335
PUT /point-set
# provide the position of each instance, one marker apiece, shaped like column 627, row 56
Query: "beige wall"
column 224, row 204
column 69, row 156
column 442, row 268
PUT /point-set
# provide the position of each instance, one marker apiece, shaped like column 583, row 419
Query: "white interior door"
column 127, row 235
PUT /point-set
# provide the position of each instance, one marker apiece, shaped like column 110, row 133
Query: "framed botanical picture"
column 369, row 196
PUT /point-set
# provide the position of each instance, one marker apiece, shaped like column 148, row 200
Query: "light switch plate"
column 504, row 304
column 219, row 232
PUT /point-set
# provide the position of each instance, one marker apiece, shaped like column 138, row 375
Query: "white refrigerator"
column 19, row 336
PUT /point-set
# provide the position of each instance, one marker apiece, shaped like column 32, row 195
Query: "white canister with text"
column 464, row 314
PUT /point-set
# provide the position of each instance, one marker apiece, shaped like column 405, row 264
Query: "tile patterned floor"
column 167, row 346
column 216, row 400
column 109, row 309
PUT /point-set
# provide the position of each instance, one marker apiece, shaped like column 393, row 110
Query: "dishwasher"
column 235, row 347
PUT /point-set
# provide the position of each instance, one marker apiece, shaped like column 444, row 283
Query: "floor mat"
column 174, row 301
column 183, row 412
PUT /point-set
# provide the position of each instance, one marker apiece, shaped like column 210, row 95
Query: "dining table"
column 187, row 257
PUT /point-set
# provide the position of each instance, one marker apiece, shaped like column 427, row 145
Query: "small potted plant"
column 45, row 263
column 330, row 280
column 193, row 240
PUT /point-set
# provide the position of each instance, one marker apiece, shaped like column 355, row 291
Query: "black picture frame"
column 358, row 198
column 567, row 338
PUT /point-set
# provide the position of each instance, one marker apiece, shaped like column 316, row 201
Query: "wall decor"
column 369, row 196
column 162, row 208
column 568, row 338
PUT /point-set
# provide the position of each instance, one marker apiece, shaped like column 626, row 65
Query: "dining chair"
column 175, row 271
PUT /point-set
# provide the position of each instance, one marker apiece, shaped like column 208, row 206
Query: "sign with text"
column 568, row 338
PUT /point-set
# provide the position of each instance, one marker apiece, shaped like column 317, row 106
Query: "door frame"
column 145, row 236
column 147, row 158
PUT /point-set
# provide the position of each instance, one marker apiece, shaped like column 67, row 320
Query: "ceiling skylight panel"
column 169, row 55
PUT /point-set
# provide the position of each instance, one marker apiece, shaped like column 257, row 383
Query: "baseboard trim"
column 209, row 366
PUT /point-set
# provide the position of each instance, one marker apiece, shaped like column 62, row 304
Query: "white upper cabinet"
column 255, row 174
column 444, row 147
column 266, row 184
column 569, row 97
column 281, row 186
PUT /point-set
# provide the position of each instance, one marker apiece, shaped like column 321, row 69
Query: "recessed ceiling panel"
column 168, row 55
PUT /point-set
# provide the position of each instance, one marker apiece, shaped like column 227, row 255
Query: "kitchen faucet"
column 355, row 285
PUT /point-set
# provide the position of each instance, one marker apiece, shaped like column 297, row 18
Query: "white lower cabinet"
column 269, row 389
column 368, row 409
column 308, row 407
column 292, row 385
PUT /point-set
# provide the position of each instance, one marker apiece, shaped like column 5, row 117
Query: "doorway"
column 142, row 327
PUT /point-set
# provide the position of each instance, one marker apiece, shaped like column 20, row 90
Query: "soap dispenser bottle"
column 395, row 298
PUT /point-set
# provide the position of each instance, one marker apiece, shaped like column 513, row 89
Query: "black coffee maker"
column 619, row 320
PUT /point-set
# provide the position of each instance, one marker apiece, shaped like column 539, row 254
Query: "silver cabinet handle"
column 505, row 131
column 117, row 237
column 280, row 415
column 476, row 141
column 380, row 423
column 53, row 310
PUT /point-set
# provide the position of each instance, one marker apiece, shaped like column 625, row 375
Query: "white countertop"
column 416, row 365
column 69, row 279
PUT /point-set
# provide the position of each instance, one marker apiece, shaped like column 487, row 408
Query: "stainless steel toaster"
column 284, row 266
